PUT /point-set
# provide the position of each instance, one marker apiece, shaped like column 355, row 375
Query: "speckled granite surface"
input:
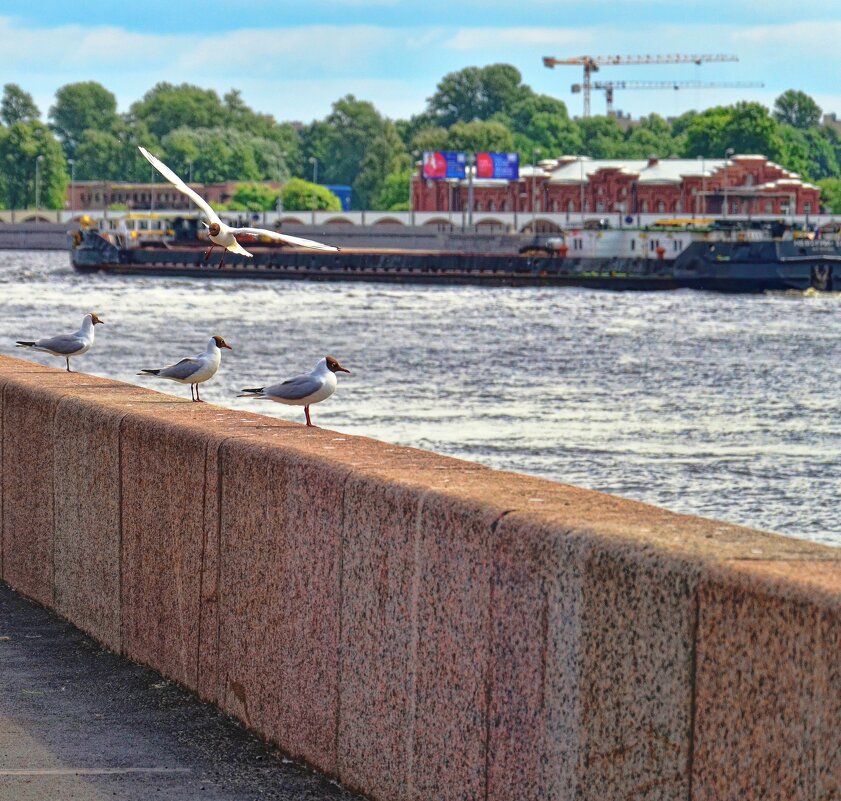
column 418, row 626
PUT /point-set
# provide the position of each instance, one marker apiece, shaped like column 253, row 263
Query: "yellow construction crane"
column 610, row 86
column 591, row 64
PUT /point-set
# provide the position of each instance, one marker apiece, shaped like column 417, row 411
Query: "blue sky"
column 293, row 59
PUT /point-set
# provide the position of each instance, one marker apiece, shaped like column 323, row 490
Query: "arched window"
column 661, row 206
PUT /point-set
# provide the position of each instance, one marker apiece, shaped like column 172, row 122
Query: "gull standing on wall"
column 69, row 344
column 221, row 234
column 302, row 390
column 194, row 370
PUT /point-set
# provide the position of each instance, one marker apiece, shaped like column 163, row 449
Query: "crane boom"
column 609, row 86
column 591, row 64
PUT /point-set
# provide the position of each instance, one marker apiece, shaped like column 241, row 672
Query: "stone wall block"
column 378, row 645
column 28, row 490
column 87, row 517
column 279, row 600
column 535, row 662
column 450, row 702
column 591, row 667
column 768, row 684
column 163, row 523
column 638, row 619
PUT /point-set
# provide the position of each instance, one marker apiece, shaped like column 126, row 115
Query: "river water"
column 722, row 406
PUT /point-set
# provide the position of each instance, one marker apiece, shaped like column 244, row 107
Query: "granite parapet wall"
column 418, row 626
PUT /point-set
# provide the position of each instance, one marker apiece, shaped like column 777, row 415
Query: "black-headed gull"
column 302, row 390
column 68, row 345
column 220, row 233
column 194, row 370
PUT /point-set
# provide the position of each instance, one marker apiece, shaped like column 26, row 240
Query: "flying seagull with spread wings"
column 220, row 233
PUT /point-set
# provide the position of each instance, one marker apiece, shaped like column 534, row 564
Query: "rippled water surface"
column 727, row 407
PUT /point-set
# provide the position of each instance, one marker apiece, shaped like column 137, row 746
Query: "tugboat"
column 672, row 254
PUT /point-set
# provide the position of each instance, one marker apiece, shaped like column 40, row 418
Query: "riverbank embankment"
column 419, row 626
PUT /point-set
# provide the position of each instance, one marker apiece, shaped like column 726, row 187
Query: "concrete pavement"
column 78, row 723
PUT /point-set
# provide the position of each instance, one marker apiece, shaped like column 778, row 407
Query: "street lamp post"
column 72, row 163
column 703, row 187
column 415, row 156
column 471, row 170
column 534, row 153
column 314, row 162
column 38, row 161
column 727, row 153
column 279, row 208
column 581, row 187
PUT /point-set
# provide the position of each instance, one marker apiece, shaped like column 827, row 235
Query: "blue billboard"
column 498, row 165
column 442, row 164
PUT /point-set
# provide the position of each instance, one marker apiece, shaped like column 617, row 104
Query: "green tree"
column 17, row 105
column 21, row 145
column 480, row 135
column 745, row 127
column 681, row 123
column 476, row 93
column 300, row 195
column 223, row 154
column 601, row 138
column 831, row 194
column 651, row 137
column 751, row 129
column 394, row 193
column 253, row 197
column 166, row 107
column 430, row 139
column 79, row 107
column 539, row 121
column 797, row 109
column 355, row 145
column 99, row 157
column 705, row 133
column 823, row 161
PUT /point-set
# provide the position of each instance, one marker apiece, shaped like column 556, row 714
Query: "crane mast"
column 592, row 64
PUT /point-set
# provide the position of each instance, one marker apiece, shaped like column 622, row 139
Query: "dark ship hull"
column 723, row 266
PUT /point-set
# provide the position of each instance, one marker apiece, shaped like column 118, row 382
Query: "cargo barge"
column 723, row 261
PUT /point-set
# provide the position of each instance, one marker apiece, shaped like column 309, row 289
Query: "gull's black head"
column 214, row 229
column 220, row 343
column 333, row 365
column 95, row 319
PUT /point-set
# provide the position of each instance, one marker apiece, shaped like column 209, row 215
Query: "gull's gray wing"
column 181, row 370
column 295, row 388
column 65, row 344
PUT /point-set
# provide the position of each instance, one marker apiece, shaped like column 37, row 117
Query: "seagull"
column 195, row 369
column 221, row 234
column 68, row 345
column 302, row 390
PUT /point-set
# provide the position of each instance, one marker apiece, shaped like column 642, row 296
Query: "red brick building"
column 747, row 185
column 83, row 195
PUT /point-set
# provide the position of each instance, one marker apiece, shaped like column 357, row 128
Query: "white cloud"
column 486, row 38
column 296, row 72
column 321, row 50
